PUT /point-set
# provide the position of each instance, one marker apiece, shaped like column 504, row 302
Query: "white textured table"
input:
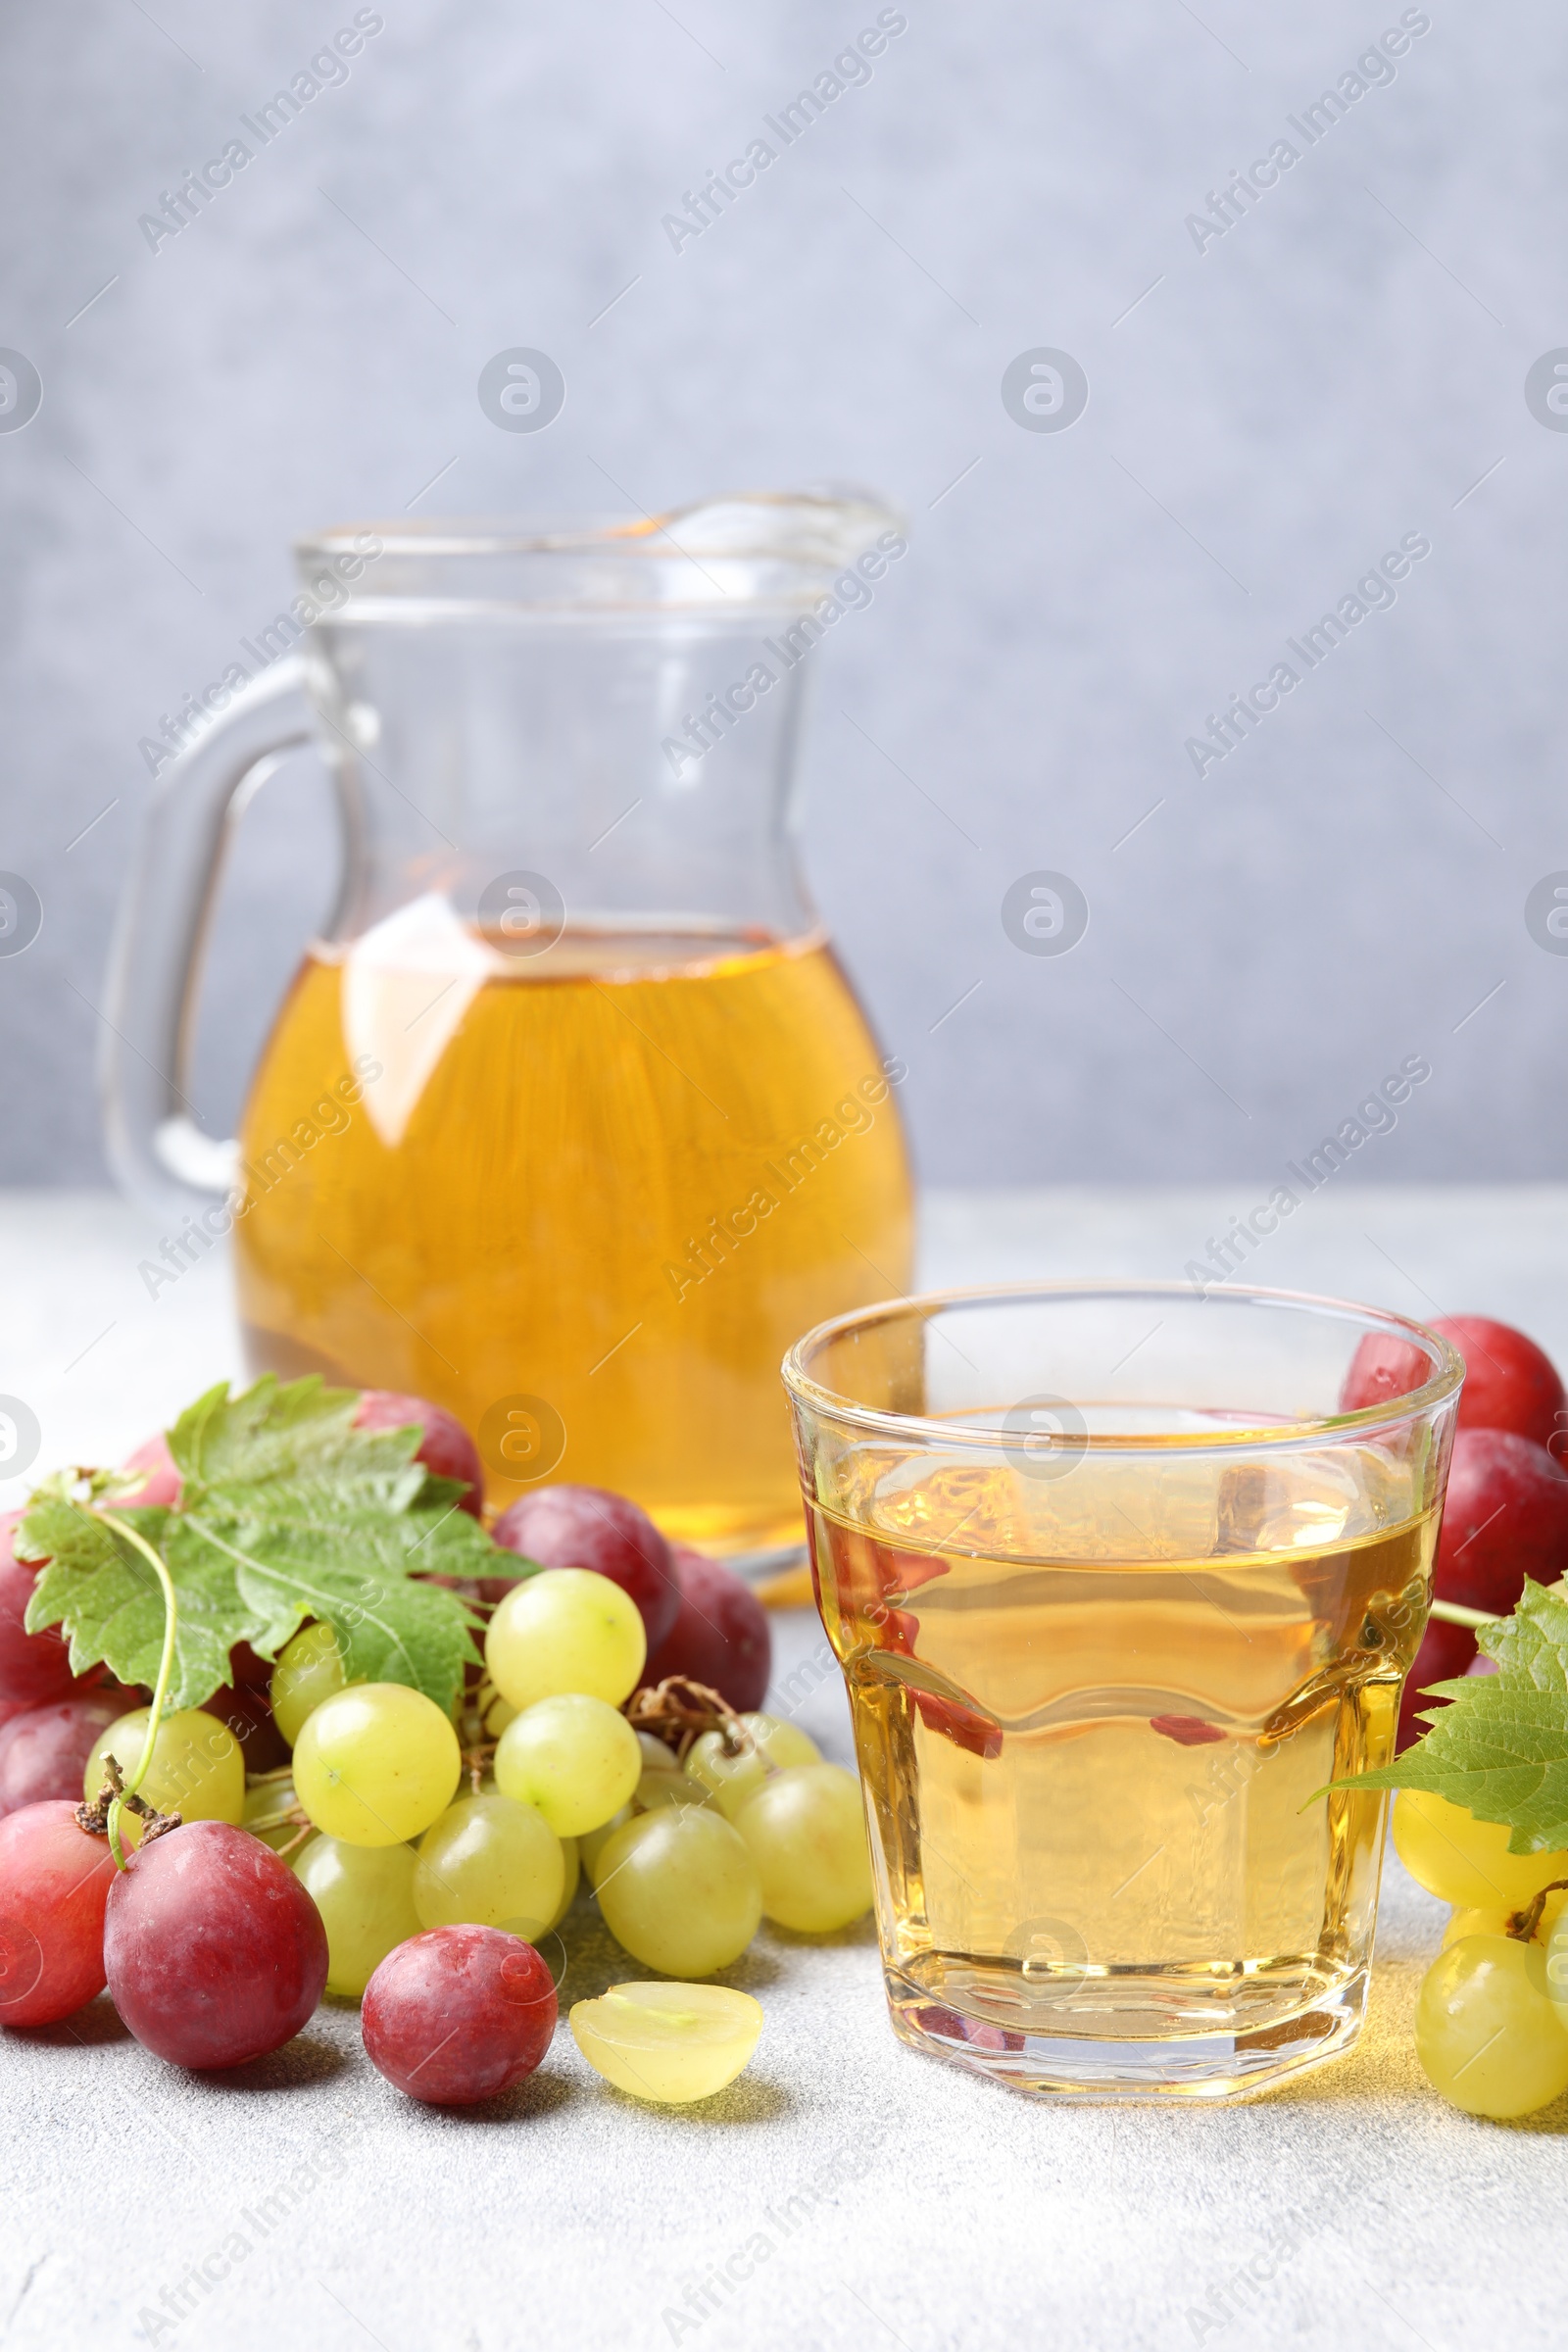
column 844, row 2191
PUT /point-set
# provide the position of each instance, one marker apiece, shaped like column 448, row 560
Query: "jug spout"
column 805, row 531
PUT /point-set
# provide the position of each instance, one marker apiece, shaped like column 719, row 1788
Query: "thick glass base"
column 1111, row 2064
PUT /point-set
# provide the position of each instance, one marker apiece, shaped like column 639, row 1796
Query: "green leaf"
column 1501, row 1748
column 288, row 1512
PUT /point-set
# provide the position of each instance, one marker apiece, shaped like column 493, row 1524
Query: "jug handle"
column 155, row 1150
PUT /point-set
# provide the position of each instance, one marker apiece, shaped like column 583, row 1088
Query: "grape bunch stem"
column 678, row 1712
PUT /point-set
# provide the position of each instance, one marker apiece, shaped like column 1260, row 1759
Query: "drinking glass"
column 1117, row 1589
column 570, row 1119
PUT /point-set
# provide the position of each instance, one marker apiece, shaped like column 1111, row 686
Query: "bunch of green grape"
column 685, row 1861
column 1491, row 2015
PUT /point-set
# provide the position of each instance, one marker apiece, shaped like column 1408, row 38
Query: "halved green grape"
column 365, row 1894
column 733, row 1780
column 376, row 1764
column 807, row 1831
column 573, row 1756
column 592, row 1843
column 678, row 1887
column 1466, row 1861
column 268, row 1807
column 571, row 1878
column 669, row 2043
column 308, row 1669
column 197, row 1771
column 490, row 1863
column 1495, row 1919
column 1486, row 2034
column 566, row 1630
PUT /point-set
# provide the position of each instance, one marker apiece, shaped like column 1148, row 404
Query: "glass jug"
column 569, row 1120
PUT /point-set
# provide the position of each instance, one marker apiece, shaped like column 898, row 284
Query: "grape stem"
column 94, row 1818
column 1524, row 1924
column 166, row 1667
column 1454, row 1612
column 680, row 1710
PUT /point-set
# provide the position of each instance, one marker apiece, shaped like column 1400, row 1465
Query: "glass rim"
column 822, row 527
column 1446, row 1377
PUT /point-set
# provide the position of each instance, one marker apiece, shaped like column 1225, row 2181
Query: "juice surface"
column 1090, row 1774
column 613, row 1181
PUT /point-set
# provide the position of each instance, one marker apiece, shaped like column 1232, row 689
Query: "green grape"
column 268, row 1807
column 807, row 1831
column 1466, row 1861
column 573, row 1756
column 733, row 1780
column 669, row 2043
column 365, row 1894
column 566, row 1629
column 308, row 1669
column 655, row 1788
column 1486, row 2035
column 657, row 1757
column 570, row 1879
column 489, row 1862
column 679, row 1890
column 494, row 1711
column 197, row 1771
column 376, row 1764
column 592, row 1843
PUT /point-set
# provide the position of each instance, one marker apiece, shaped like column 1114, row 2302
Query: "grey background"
column 1340, row 368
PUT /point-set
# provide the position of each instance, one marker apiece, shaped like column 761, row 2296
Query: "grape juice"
column 585, row 1199
column 1092, row 1716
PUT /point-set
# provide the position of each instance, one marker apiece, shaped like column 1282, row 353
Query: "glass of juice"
column 1118, row 1590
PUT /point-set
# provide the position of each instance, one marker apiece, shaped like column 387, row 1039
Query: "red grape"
column 1508, row 1383
column 1381, row 1369
column 247, row 1670
column 164, row 1481
column 34, row 1667
column 1505, row 1517
column 248, row 1714
column 54, row 1883
column 1446, row 1652
column 458, row 2014
column 43, row 1753
column 584, row 1526
column 213, row 1951
column 720, row 1636
column 446, row 1450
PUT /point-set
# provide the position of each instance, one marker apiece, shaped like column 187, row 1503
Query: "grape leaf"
column 1501, row 1748
column 288, row 1512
